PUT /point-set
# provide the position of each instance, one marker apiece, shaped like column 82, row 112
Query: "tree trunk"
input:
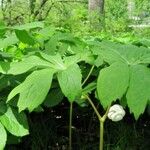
column 96, row 5
column 96, row 14
column 131, row 8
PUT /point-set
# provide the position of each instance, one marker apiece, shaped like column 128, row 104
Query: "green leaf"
column 138, row 93
column 115, row 52
column 14, row 122
column 86, row 57
column 53, row 98
column 11, row 139
column 51, row 46
column 25, row 37
column 112, row 83
column 33, row 90
column 46, row 32
column 70, row 82
column 27, row 26
column 4, row 67
column 82, row 102
column 108, row 53
column 3, row 137
column 89, row 88
column 2, row 29
column 3, row 107
column 55, row 60
column 11, row 40
column 4, row 81
column 27, row 64
column 99, row 61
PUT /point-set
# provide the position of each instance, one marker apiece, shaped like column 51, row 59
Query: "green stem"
column 71, row 110
column 70, row 126
column 101, row 120
column 101, row 135
column 88, row 75
column 93, row 106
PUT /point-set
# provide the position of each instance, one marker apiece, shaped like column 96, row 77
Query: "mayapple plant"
column 52, row 61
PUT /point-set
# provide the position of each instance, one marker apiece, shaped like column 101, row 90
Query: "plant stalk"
column 71, row 110
column 91, row 70
column 70, row 126
column 93, row 106
column 101, row 135
column 101, row 120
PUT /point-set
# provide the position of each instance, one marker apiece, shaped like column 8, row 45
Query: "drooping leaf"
column 46, row 32
column 70, row 82
column 14, row 122
column 3, row 137
column 99, row 61
column 106, row 52
column 28, row 26
column 2, row 29
column 38, row 109
column 11, row 139
column 27, row 64
column 4, row 67
column 51, row 46
column 25, row 37
column 53, row 98
column 82, row 102
column 55, row 60
column 112, row 83
column 33, row 90
column 4, row 55
column 3, row 107
column 115, row 52
column 89, row 88
column 85, row 57
column 8, row 41
column 138, row 93
column 4, row 81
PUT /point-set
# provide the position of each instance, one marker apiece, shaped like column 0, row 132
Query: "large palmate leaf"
column 55, row 60
column 14, row 122
column 127, row 63
column 3, row 137
column 70, row 81
column 86, row 57
column 25, row 65
column 33, row 90
column 139, row 89
column 112, row 83
column 114, row 52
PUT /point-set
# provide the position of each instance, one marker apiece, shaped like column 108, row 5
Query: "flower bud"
column 116, row 113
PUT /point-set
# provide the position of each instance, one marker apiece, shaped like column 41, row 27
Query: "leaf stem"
column 70, row 126
column 71, row 110
column 93, row 106
column 88, row 75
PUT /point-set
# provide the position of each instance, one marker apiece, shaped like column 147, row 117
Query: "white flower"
column 116, row 112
